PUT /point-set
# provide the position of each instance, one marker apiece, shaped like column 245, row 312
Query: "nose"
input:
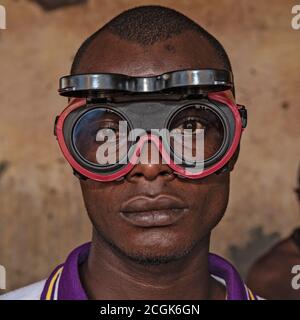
column 150, row 165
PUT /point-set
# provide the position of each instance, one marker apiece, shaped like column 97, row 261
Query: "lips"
column 153, row 212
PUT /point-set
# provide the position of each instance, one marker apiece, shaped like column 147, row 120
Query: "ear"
column 297, row 191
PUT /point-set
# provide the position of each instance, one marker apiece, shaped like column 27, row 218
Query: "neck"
column 107, row 274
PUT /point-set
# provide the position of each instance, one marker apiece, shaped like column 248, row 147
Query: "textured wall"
column 41, row 212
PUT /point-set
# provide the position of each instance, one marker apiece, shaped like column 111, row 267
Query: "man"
column 276, row 275
column 151, row 227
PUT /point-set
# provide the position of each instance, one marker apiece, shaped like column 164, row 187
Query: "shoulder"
column 284, row 248
column 273, row 260
column 270, row 274
column 30, row 292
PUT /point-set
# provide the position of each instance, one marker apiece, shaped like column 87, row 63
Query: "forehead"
column 109, row 53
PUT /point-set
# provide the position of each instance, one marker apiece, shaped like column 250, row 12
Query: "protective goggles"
column 184, row 115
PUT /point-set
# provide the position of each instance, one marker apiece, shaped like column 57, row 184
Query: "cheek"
column 207, row 205
column 101, row 201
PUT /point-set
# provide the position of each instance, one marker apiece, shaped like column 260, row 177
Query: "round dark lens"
column 100, row 137
column 196, row 133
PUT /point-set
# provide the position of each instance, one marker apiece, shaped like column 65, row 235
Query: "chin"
column 158, row 251
column 156, row 257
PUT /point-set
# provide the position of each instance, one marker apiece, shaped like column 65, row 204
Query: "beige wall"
column 41, row 212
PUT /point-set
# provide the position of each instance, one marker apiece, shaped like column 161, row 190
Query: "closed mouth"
column 150, row 212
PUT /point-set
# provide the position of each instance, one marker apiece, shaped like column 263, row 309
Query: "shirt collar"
column 64, row 282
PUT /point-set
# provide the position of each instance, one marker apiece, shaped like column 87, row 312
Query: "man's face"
column 197, row 205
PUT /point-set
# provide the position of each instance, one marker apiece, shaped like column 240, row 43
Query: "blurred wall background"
column 42, row 216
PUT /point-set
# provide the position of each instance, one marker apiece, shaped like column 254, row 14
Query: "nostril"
column 138, row 174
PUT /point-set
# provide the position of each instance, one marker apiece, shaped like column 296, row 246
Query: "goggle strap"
column 243, row 113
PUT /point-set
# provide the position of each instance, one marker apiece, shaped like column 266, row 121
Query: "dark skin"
column 110, row 272
column 271, row 275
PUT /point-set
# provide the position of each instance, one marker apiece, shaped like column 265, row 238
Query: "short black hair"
column 147, row 25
